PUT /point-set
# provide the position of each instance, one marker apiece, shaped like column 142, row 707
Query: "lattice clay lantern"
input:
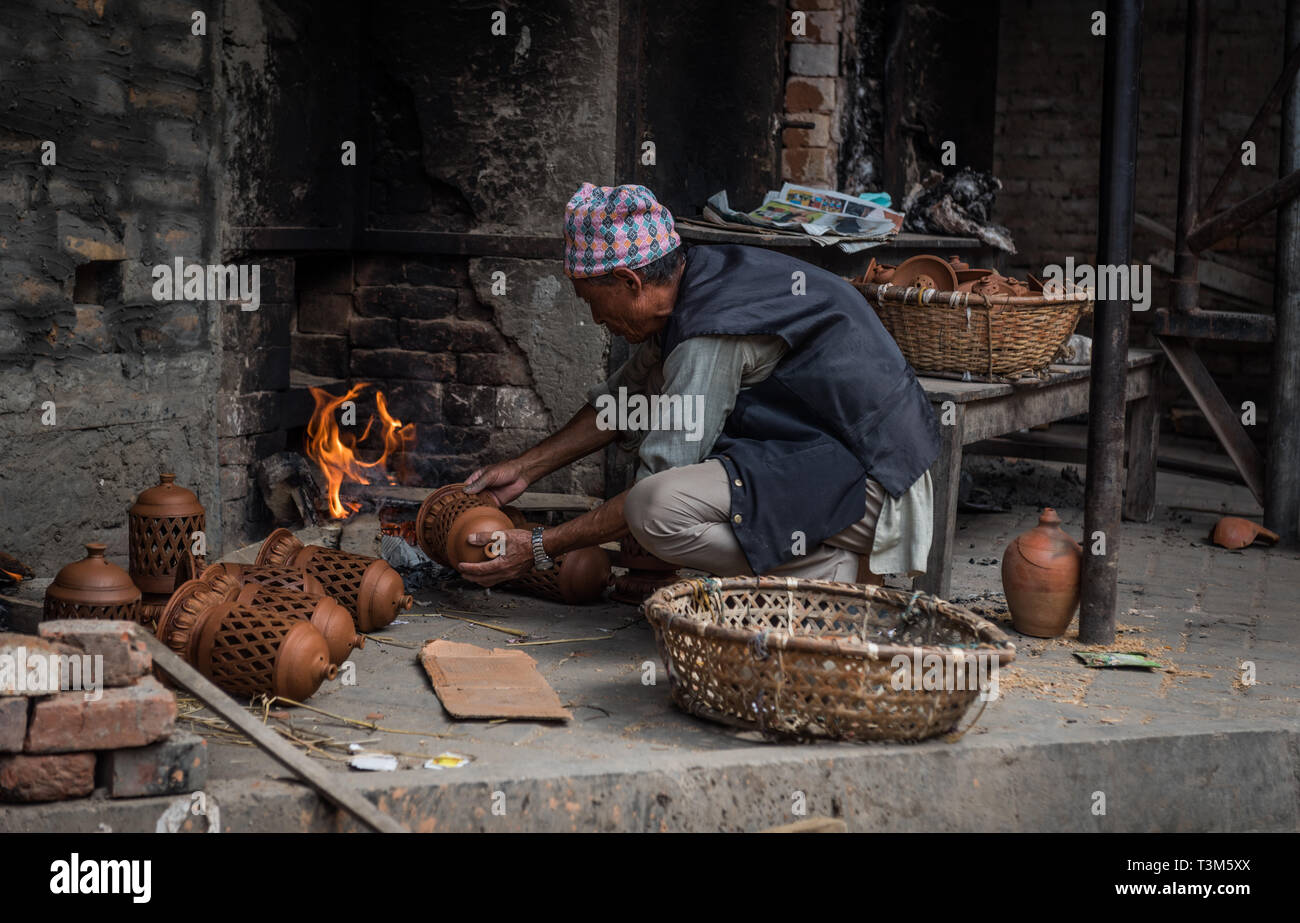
column 447, row 518
column 245, row 650
column 368, row 586
column 329, row 618
column 92, row 588
column 162, row 523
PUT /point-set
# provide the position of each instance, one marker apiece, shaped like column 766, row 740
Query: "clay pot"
column 1234, row 532
column 438, row 514
column 958, row 264
column 244, row 650
column 926, row 272
column 162, row 523
column 579, row 576
column 92, row 588
column 367, row 586
column 1040, row 576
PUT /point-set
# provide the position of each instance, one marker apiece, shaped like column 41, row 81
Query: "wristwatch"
column 541, row 560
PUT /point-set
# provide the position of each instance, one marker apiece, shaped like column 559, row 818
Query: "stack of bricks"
column 116, row 732
column 813, row 93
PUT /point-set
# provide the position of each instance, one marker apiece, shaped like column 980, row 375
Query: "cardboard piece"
column 472, row 682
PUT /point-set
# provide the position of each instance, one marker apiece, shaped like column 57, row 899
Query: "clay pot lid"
column 96, row 579
column 1234, row 532
column 926, row 272
column 167, row 499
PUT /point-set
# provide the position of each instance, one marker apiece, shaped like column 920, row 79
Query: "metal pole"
column 1103, row 496
column 1184, row 287
column 1282, row 477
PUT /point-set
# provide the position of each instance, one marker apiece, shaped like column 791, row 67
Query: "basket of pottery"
column 816, row 659
column 974, row 324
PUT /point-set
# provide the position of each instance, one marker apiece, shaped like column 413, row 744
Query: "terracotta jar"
column 330, row 619
column 367, row 586
column 1040, row 575
column 162, row 523
column 244, row 650
column 92, row 588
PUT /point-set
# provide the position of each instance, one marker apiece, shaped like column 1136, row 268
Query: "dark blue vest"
column 842, row 404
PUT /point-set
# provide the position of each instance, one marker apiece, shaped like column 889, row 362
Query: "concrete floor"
column 1064, row 748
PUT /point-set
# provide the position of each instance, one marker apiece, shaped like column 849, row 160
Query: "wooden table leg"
column 1143, row 437
column 946, row 473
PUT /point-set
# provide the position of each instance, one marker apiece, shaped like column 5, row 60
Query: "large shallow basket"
column 812, row 658
column 981, row 337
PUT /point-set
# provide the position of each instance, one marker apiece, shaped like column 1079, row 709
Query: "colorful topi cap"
column 610, row 226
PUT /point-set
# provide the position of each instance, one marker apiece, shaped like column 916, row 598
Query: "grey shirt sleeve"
column 706, row 373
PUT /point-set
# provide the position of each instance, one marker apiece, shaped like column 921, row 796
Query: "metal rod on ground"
column 328, row 784
column 1282, row 475
column 1103, row 494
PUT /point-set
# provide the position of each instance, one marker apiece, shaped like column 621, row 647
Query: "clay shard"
column 1235, row 532
column 472, row 682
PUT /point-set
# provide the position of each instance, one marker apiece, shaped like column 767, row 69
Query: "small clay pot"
column 1234, row 532
column 926, row 272
column 92, row 588
column 957, row 263
column 162, row 523
column 1040, row 576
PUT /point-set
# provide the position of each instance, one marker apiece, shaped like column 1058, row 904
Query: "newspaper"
column 852, row 223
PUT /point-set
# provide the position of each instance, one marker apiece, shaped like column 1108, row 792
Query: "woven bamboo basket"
column 981, row 337
column 816, row 659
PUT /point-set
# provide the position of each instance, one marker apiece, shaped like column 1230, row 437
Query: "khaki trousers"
column 683, row 515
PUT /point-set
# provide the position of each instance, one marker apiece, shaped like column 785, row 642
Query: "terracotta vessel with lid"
column 244, row 650
column 92, row 588
column 1040, row 575
column 162, row 523
column 367, row 586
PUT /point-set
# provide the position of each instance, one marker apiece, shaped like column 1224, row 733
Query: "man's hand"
column 504, row 481
column 517, row 560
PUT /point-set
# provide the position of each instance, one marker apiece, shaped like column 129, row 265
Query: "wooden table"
column 970, row 412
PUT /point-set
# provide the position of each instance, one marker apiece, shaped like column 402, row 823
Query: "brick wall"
column 814, row 93
column 122, row 89
column 1048, row 146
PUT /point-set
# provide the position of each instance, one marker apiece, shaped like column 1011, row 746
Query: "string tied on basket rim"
column 790, row 586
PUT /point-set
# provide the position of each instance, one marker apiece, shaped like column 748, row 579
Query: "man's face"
column 624, row 304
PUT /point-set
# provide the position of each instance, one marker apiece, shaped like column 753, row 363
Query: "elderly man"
column 778, row 428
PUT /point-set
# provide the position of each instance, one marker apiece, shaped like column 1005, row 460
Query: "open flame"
column 335, row 451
